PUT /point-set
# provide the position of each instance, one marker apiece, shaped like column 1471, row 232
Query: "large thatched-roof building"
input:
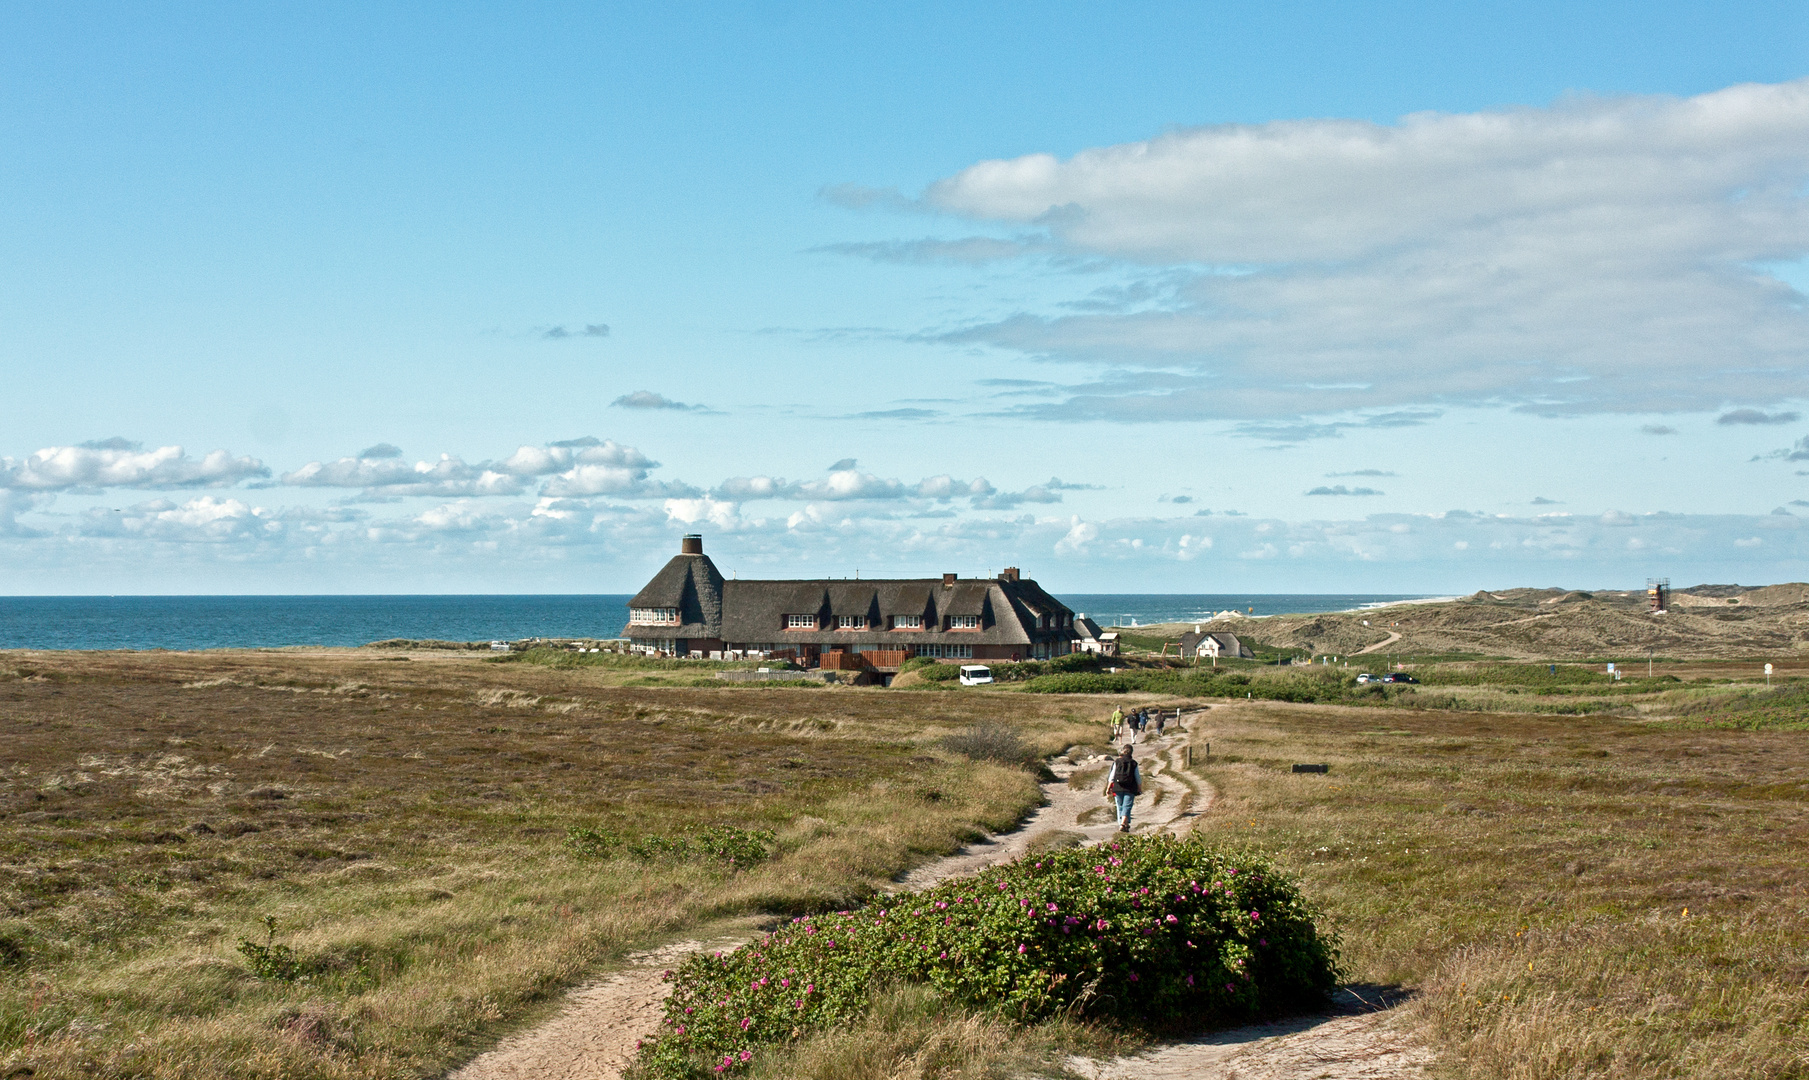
column 689, row 609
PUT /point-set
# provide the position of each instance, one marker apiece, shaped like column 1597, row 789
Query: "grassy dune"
column 403, row 817
column 404, row 823
column 1570, row 896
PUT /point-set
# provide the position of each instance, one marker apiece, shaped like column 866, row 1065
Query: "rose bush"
column 1152, row 931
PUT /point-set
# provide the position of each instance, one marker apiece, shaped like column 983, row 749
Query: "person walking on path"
column 1161, row 722
column 1117, row 723
column 1125, row 785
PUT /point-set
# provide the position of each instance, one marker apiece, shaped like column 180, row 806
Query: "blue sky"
column 1282, row 297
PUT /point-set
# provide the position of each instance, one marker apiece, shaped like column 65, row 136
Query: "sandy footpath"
column 593, row 1037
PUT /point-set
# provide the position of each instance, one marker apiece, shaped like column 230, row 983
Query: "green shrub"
column 1151, row 931
column 1544, row 677
column 1083, row 683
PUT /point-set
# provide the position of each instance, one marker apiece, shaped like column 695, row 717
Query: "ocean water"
column 217, row 622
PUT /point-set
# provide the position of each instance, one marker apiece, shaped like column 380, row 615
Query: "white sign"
column 1767, row 669
column 1611, row 668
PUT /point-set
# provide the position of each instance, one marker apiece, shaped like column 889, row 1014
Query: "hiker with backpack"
column 1117, row 723
column 1123, row 786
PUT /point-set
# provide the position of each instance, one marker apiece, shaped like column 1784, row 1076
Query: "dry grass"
column 403, row 820
column 1530, row 876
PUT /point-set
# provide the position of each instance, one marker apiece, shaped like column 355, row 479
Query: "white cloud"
column 197, row 521
column 1598, row 255
column 392, row 475
column 647, row 399
column 573, row 467
column 1079, row 535
column 116, row 463
column 702, row 511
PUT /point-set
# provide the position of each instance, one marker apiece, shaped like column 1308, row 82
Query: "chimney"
column 948, row 581
column 1010, row 573
column 692, row 544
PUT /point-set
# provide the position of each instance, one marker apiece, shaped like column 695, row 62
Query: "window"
column 964, row 622
column 653, row 616
column 907, row 622
column 800, row 622
column 850, row 622
column 947, row 652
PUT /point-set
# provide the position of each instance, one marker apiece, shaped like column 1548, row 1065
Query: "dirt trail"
column 1393, row 636
column 594, row 1035
column 1355, row 1041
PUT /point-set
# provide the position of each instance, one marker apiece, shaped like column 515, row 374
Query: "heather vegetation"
column 1148, row 931
column 374, row 863
column 440, row 846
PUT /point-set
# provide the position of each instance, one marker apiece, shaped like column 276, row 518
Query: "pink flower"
column 747, row 1055
column 1171, row 918
column 1020, row 949
column 745, row 1021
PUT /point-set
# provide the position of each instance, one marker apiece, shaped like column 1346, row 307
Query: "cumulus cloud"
column 390, row 475
column 1597, row 255
column 203, row 520
column 571, row 467
column 647, row 399
column 703, row 511
column 846, row 482
column 1358, row 472
column 587, row 330
column 12, row 504
column 1049, row 492
column 1757, row 416
column 1798, row 452
column 1340, row 489
column 119, row 463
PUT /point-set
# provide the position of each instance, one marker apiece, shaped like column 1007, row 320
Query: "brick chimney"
column 692, row 544
column 1010, row 573
column 948, row 581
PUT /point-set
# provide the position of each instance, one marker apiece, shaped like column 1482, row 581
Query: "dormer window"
column 964, row 622
column 800, row 622
column 907, row 622
column 653, row 616
column 850, row 622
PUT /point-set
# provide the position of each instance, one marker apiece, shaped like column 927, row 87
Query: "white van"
column 975, row 674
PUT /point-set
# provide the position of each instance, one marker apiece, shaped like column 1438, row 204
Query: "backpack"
column 1124, row 772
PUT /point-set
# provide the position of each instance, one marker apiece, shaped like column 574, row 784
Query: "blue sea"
column 220, row 622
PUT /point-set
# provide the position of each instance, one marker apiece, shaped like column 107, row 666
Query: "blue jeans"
column 1124, row 807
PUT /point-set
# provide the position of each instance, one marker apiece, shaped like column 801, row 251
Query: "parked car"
column 975, row 674
column 1399, row 676
column 1366, row 677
